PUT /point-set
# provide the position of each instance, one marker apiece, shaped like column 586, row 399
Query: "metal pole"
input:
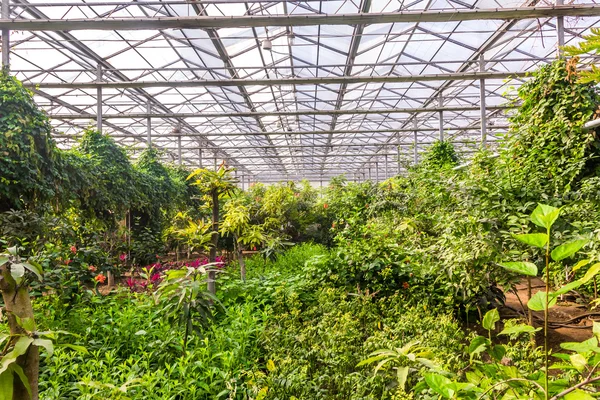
column 149, row 125
column 99, row 99
column 416, row 150
column 376, row 171
column 5, row 36
column 482, row 110
column 215, row 160
column 199, row 157
column 560, row 32
column 179, row 150
column 386, row 168
column 441, row 116
column 398, row 146
column 242, row 182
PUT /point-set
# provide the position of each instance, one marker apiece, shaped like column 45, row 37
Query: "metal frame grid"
column 286, row 89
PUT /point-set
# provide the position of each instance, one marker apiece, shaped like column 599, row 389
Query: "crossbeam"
column 253, row 21
column 329, row 80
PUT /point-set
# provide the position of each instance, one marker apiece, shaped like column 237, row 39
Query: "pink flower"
column 130, row 282
column 68, row 262
column 73, row 249
column 123, row 257
column 92, row 268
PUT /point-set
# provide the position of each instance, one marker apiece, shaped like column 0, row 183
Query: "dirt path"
column 578, row 324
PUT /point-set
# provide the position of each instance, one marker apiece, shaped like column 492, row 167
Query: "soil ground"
column 569, row 321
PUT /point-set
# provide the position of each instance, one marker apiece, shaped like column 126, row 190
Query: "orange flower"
column 92, row 268
column 100, row 278
column 405, row 285
column 325, row 205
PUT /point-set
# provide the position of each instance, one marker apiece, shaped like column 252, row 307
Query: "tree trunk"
column 212, row 287
column 18, row 304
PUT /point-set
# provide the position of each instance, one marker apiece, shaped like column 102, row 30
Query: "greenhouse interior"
column 300, row 199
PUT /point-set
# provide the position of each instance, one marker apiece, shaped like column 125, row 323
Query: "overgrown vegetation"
column 362, row 291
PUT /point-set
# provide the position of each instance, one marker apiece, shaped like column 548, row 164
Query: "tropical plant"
column 215, row 185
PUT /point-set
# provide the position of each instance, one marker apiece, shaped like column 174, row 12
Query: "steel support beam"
column 279, row 113
column 149, row 125
column 333, row 80
column 483, row 111
column 99, row 99
column 416, row 143
column 248, row 21
column 560, row 31
column 5, row 13
column 441, row 116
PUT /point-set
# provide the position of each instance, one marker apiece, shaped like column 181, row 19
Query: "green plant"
column 214, row 184
column 187, row 300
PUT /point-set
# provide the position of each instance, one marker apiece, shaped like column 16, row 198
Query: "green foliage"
column 591, row 44
column 546, row 148
column 440, row 155
column 29, row 160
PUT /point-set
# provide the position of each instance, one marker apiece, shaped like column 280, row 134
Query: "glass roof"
column 282, row 129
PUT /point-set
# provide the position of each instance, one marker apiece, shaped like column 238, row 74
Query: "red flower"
column 73, row 249
column 123, row 257
column 405, row 285
column 325, row 205
column 68, row 262
column 100, row 278
column 92, row 268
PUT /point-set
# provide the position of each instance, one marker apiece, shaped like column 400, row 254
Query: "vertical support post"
column 560, row 32
column 398, row 149
column 441, row 116
column 99, row 99
column 5, row 36
column 376, row 171
column 482, row 110
column 199, row 157
column 242, row 182
column 149, row 124
column 416, row 143
column 179, row 159
column 386, row 167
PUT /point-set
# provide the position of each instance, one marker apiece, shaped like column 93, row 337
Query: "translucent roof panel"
column 286, row 89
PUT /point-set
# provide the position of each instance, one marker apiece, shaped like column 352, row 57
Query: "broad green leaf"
column 533, row 239
column 12, row 250
column 45, row 343
column 402, row 376
column 596, row 329
column 3, row 260
column 589, row 275
column 567, row 288
column 521, row 267
column 580, row 263
column 17, row 271
column 544, row 215
column 517, row 329
column 497, row 352
column 6, row 385
column 578, row 361
column 478, row 345
column 566, row 250
column 19, row 349
column 140, row 332
column 75, row 347
column 26, row 323
column 490, row 318
column 579, row 394
column 538, row 301
column 582, row 347
column 35, row 268
column 16, row 368
column 440, row 384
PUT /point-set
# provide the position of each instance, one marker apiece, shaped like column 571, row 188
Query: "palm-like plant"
column 214, row 184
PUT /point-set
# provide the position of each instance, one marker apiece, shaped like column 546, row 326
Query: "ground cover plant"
column 391, row 290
